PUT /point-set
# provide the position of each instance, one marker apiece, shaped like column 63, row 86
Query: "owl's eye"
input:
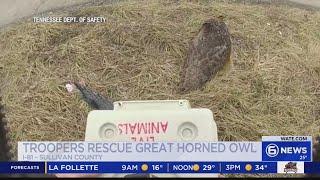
column 206, row 27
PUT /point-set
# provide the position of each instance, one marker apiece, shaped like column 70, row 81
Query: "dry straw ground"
column 273, row 87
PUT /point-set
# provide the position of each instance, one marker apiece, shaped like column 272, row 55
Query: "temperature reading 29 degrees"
column 208, row 167
column 303, row 157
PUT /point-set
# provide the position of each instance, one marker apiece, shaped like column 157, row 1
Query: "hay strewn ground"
column 273, row 87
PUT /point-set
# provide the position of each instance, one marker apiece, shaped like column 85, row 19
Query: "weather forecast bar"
column 138, row 167
column 159, row 167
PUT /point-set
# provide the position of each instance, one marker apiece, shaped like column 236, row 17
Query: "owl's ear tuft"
column 209, row 21
column 207, row 24
column 221, row 17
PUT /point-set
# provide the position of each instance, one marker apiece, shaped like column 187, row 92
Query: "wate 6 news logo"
column 286, row 151
column 272, row 150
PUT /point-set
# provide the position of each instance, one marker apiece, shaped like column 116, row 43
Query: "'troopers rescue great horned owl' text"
column 208, row 53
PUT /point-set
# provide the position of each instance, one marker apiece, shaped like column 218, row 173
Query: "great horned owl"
column 208, row 53
column 5, row 146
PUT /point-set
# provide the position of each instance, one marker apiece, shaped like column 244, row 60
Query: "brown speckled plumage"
column 5, row 146
column 208, row 53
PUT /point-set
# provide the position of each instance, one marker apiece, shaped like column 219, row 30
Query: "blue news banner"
column 279, row 154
